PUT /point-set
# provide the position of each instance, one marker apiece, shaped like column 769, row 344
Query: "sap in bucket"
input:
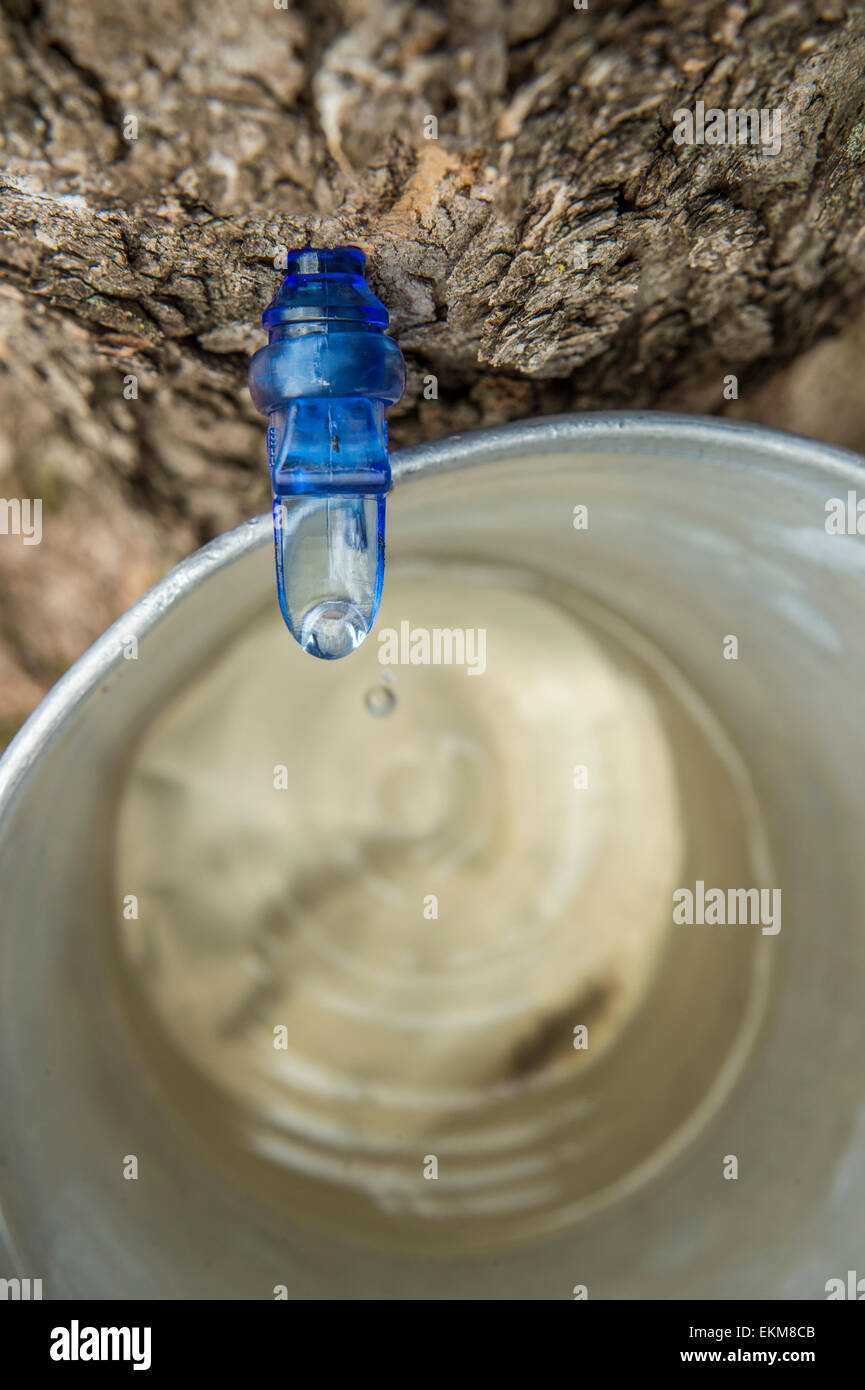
column 521, row 950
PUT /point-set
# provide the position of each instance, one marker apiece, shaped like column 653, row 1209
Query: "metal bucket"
column 697, row 529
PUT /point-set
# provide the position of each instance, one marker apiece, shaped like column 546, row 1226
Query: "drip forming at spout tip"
column 324, row 380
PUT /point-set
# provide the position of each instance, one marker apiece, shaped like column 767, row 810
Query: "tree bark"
column 541, row 240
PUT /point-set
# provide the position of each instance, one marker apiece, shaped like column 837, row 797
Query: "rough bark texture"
column 150, row 252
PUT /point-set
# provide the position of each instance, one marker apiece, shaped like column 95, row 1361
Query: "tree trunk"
column 541, row 239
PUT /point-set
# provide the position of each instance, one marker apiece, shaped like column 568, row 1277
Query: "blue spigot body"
column 324, row 379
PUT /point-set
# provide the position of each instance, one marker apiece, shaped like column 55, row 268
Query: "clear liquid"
column 329, row 569
column 422, row 912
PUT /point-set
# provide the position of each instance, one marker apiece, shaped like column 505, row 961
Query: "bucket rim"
column 634, row 432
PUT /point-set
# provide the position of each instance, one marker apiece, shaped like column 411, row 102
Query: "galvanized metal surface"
column 728, row 516
column 729, row 442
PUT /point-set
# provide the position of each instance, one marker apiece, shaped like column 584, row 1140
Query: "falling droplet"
column 380, row 701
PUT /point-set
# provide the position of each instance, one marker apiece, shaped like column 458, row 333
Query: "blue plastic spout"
column 324, row 379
